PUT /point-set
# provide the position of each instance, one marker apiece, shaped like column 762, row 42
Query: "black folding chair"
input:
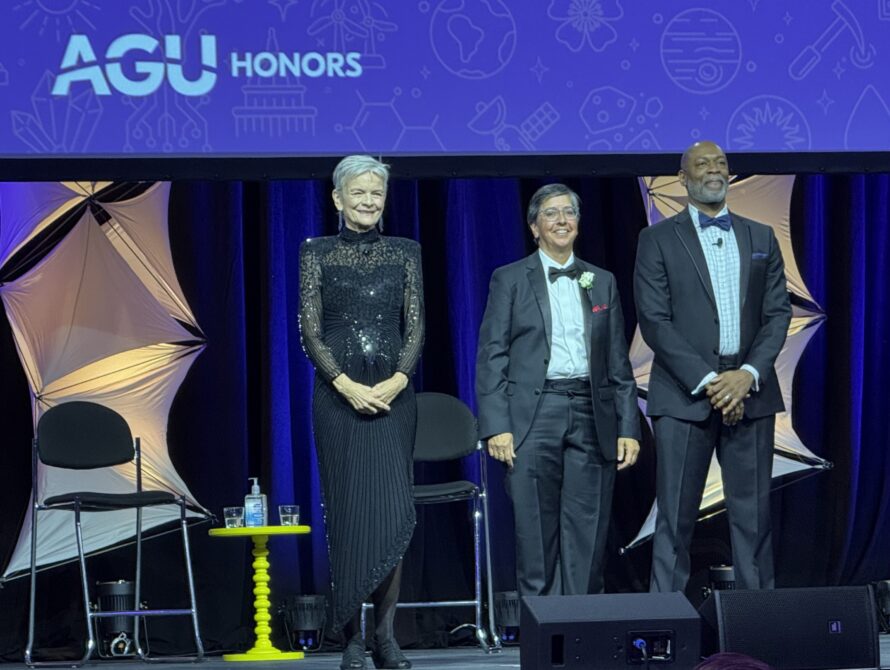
column 446, row 431
column 80, row 436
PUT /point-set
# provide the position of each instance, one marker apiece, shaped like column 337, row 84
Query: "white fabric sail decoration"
column 764, row 198
column 97, row 314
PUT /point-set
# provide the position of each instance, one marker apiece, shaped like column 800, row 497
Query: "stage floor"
column 423, row 659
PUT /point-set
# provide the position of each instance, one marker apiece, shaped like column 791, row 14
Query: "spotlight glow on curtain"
column 97, row 313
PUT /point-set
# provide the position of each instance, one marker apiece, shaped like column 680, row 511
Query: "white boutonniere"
column 585, row 281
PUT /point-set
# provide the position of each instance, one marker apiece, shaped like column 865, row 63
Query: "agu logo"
column 80, row 64
column 137, row 65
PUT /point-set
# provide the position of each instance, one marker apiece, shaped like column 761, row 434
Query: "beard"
column 698, row 192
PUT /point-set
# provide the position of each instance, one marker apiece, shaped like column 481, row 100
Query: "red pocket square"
column 599, row 308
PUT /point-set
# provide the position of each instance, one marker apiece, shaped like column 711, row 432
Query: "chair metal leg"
column 137, row 587
column 492, row 628
column 477, row 576
column 90, row 645
column 91, row 638
column 29, row 648
column 199, row 645
column 192, row 612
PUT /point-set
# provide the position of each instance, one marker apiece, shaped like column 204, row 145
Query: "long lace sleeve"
column 413, row 312
column 311, row 311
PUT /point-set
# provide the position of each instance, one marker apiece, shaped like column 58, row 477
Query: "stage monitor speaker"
column 803, row 629
column 608, row 631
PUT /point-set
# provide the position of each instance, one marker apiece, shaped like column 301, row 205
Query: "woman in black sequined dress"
column 362, row 323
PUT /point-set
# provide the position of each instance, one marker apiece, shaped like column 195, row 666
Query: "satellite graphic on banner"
column 309, row 77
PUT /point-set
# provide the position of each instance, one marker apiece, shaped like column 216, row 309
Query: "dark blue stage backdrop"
column 245, row 408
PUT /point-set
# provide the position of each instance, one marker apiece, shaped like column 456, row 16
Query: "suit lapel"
column 685, row 230
column 535, row 273
column 743, row 240
column 586, row 306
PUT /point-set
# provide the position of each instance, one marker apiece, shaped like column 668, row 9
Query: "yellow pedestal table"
column 262, row 649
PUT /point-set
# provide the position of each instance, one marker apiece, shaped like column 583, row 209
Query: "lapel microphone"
column 719, row 242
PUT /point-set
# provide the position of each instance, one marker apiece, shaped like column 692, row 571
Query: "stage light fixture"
column 304, row 619
column 720, row 578
column 506, row 616
column 115, row 634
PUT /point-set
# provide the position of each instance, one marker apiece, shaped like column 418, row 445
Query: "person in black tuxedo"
column 557, row 400
column 711, row 301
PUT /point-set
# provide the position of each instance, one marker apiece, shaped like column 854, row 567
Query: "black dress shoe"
column 354, row 654
column 386, row 654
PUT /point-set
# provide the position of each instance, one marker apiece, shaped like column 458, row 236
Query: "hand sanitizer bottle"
column 256, row 512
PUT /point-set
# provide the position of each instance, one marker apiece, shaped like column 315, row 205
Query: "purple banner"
column 307, row 77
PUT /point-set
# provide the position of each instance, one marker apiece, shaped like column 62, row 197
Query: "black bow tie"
column 723, row 221
column 570, row 271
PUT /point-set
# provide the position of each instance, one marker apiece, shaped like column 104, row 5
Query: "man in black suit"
column 557, row 400
column 711, row 302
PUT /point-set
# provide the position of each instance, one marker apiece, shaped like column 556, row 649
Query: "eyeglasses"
column 551, row 214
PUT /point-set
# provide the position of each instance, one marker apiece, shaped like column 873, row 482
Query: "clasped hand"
column 727, row 392
column 366, row 399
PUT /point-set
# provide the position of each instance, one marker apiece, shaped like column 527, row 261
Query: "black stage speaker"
column 800, row 629
column 608, row 631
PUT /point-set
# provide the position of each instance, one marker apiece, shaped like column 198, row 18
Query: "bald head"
column 704, row 147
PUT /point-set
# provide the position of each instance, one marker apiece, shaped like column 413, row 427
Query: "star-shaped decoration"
column 146, row 358
column 787, row 19
column 634, row 45
column 704, row 113
column 824, row 101
column 282, row 6
column 539, row 69
column 838, row 70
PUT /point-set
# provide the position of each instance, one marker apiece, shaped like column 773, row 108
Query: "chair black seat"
column 445, row 492
column 82, row 435
column 97, row 502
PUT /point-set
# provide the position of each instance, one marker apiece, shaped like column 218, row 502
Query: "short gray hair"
column 356, row 165
column 545, row 193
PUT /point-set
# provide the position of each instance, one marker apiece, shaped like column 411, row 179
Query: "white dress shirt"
column 568, row 351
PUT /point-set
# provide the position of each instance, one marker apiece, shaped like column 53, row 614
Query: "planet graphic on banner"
column 701, row 51
column 473, row 39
